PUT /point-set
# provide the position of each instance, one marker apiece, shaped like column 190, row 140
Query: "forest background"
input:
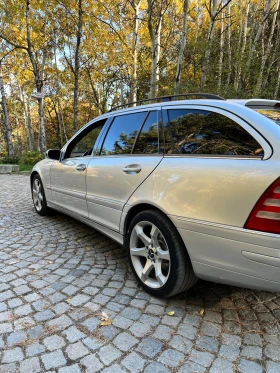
column 63, row 62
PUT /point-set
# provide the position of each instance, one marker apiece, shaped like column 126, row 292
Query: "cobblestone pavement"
column 57, row 277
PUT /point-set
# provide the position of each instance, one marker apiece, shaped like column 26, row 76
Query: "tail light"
column 265, row 216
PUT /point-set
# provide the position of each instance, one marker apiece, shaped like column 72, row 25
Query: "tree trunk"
column 205, row 64
column 39, row 80
column 27, row 119
column 183, row 42
column 77, row 66
column 155, row 36
column 255, row 41
column 229, row 47
column 267, row 49
column 222, row 40
column 6, row 120
column 133, row 88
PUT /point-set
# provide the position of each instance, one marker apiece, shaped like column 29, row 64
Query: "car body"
column 206, row 181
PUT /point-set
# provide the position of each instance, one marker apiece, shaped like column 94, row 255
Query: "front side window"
column 122, row 134
column 83, row 144
column 193, row 131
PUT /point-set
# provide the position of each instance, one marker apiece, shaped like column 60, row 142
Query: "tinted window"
column 147, row 142
column 83, row 144
column 122, row 133
column 206, row 132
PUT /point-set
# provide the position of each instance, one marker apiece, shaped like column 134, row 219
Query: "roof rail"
column 168, row 98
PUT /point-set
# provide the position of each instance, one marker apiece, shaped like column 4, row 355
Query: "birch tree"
column 6, row 119
column 183, row 41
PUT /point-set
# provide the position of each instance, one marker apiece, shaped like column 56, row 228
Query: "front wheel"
column 158, row 256
column 38, row 196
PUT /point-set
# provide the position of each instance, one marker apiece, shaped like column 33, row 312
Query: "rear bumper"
column 232, row 255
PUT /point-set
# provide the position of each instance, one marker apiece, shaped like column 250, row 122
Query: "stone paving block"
column 192, row 367
column 131, row 313
column 221, row 365
column 133, row 362
column 31, row 365
column 91, row 363
column 13, row 355
column 79, row 300
column 180, row 343
column 54, row 342
column 91, row 323
column 108, row 354
column 171, row 358
column 272, row 352
column 149, row 347
column 70, row 369
column 76, row 351
column 73, row 334
column 247, row 366
column 60, row 323
column 114, row 369
column 272, row 367
column 203, row 358
column 16, row 338
column 35, row 349
column 54, row 359
column 9, row 368
column 125, row 341
column 155, row 367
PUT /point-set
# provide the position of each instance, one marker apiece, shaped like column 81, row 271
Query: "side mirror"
column 53, row 154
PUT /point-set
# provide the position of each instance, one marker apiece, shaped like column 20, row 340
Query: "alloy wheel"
column 149, row 254
column 37, row 194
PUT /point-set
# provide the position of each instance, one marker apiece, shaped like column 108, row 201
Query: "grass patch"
column 25, row 167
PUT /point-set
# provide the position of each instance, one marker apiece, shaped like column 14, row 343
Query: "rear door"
column 129, row 154
column 68, row 176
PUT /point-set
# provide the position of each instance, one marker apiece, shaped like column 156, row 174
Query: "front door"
column 129, row 154
column 68, row 176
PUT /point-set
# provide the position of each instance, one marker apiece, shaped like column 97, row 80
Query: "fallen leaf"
column 35, row 270
column 171, row 313
column 104, row 316
column 50, row 262
column 67, row 300
column 201, row 312
column 106, row 322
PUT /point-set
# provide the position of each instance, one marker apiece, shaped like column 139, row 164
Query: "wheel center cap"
column 151, row 252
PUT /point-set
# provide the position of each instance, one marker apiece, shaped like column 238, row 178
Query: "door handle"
column 81, row 167
column 132, row 169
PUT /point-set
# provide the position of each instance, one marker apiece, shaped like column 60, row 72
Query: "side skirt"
column 107, row 231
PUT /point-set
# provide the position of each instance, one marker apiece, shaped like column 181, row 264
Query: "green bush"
column 9, row 160
column 30, row 158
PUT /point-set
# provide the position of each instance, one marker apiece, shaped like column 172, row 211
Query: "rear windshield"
column 271, row 114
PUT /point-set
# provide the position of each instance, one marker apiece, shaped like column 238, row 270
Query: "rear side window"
column 122, row 134
column 203, row 132
column 147, row 141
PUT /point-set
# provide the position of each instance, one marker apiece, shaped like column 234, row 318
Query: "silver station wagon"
column 189, row 185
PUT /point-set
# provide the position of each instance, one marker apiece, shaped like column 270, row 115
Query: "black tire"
column 181, row 276
column 43, row 209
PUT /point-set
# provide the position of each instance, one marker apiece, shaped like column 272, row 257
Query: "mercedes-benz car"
column 189, row 185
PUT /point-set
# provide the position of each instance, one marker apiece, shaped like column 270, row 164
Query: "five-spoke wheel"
column 149, row 254
column 157, row 255
column 38, row 195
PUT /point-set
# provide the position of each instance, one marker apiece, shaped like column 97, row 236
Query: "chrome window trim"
column 268, row 150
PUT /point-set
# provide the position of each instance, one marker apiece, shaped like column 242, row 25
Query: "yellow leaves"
column 171, row 313
column 67, row 300
column 50, row 262
column 202, row 312
column 106, row 322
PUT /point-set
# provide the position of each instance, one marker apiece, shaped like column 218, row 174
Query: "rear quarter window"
column 203, row 132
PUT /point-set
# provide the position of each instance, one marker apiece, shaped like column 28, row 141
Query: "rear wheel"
column 158, row 256
column 38, row 196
